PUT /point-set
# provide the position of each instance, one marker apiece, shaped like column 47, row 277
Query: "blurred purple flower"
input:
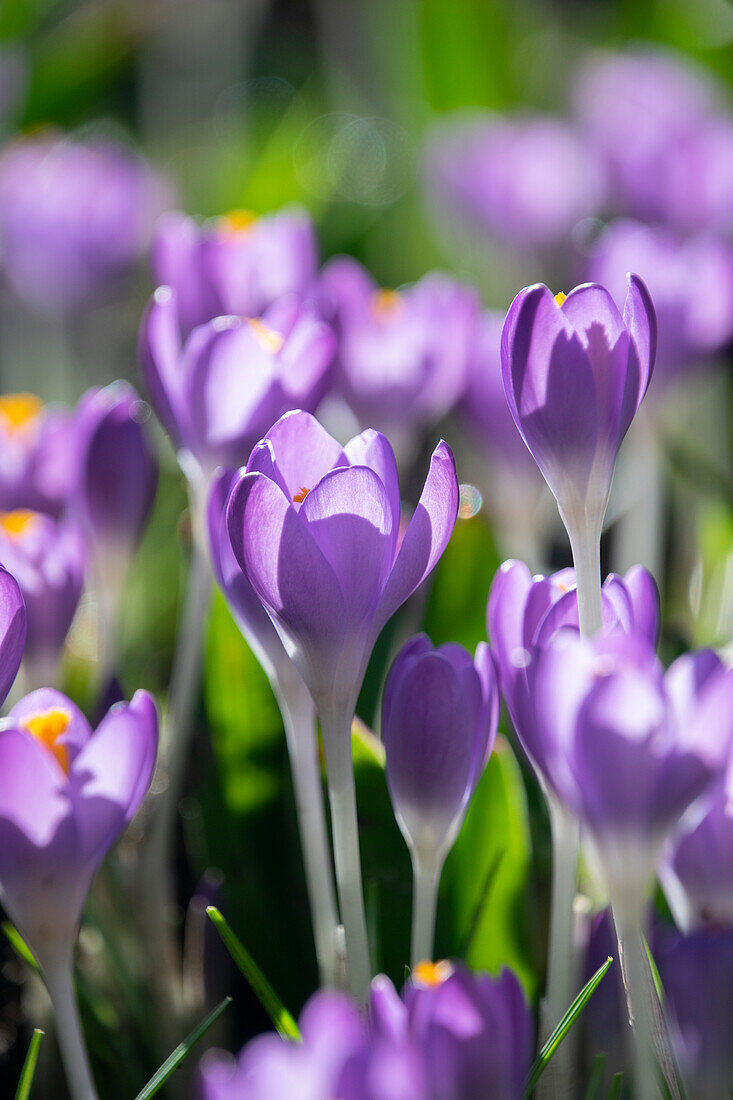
column 66, row 794
column 37, row 454
column 525, row 180
column 694, row 316
column 74, row 217
column 316, row 527
column 575, row 372
column 403, row 354
column 13, row 621
column 47, row 558
column 217, row 393
column 238, row 264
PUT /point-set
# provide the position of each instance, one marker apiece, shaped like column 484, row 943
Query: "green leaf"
column 18, row 944
column 595, row 1077
column 276, row 1010
column 571, row 1016
column 615, row 1090
column 29, row 1066
column 181, row 1052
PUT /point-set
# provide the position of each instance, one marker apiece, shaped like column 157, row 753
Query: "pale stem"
column 60, row 985
column 640, row 996
column 342, row 796
column 426, row 871
column 300, row 732
column 585, row 543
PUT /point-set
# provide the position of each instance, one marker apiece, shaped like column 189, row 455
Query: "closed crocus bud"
column 403, row 354
column 239, row 264
column 37, row 454
column 696, row 972
column 694, row 316
column 47, row 558
column 575, row 372
column 74, row 217
column 526, row 181
column 439, row 722
column 217, row 393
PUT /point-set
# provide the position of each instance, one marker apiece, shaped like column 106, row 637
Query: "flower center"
column 560, row 297
column 301, row 495
column 385, row 303
column 266, row 337
column 237, row 221
column 16, row 523
column 47, row 727
column 430, row 974
column 19, row 410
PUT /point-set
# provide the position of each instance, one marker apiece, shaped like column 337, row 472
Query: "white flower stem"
column 299, row 720
column 342, row 796
column 60, row 985
column 640, row 996
column 426, row 872
column 585, row 543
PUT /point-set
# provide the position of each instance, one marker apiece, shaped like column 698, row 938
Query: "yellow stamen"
column 19, row 410
column 430, row 974
column 237, row 221
column 269, row 339
column 560, row 297
column 47, row 727
column 301, row 495
column 17, row 522
column 385, row 302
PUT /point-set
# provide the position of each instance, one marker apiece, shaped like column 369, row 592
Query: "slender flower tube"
column 239, row 264
column 37, row 454
column 66, row 794
column 439, row 722
column 296, row 708
column 48, row 559
column 316, row 527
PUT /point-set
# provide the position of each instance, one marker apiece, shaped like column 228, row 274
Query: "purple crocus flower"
column 525, row 180
column 74, row 216
column 697, row 978
column 403, row 354
column 47, row 558
column 238, row 264
column 575, row 372
column 218, row 392
column 695, row 316
column 13, row 621
column 37, row 454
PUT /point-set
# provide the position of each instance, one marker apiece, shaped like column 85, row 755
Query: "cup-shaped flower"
column 439, row 722
column 74, row 217
column 403, row 354
column 66, row 794
column 47, row 557
column 575, row 371
column 315, row 526
column 238, row 264
column 37, row 454
column 217, row 393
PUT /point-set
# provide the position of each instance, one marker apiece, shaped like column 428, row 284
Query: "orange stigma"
column 301, row 495
column 560, row 297
column 19, row 410
column 266, row 337
column 386, row 302
column 47, row 727
column 237, row 221
column 16, row 523
column 430, row 974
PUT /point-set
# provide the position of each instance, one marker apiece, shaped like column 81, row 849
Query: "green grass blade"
column 29, row 1067
column 273, row 1006
column 615, row 1090
column 570, row 1017
column 181, row 1052
column 18, row 944
column 595, row 1078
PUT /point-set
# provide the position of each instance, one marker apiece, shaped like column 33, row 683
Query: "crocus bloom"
column 217, row 393
column 575, row 372
column 315, row 526
column 403, row 354
column 238, row 264
column 37, row 454
column 74, row 217
column 47, row 558
column 526, row 180
column 694, row 316
column 697, row 977
column 12, row 631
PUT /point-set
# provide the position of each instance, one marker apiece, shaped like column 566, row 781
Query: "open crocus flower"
column 403, row 354
column 47, row 558
column 440, row 716
column 217, row 393
column 238, row 264
column 37, row 454
column 575, row 372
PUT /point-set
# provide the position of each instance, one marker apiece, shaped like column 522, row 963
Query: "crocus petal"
column 373, row 449
column 12, row 631
column 159, row 349
column 427, row 534
column 305, row 453
column 641, row 321
column 305, row 359
column 41, row 702
column 33, row 792
column 645, row 600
